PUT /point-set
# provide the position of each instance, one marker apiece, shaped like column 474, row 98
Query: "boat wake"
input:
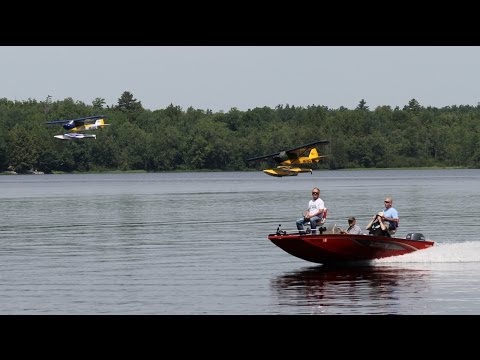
column 468, row 251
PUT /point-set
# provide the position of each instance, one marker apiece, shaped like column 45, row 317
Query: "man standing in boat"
column 314, row 212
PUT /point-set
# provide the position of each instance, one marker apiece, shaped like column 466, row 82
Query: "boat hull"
column 336, row 248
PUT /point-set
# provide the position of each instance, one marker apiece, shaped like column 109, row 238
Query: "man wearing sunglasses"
column 314, row 212
column 388, row 218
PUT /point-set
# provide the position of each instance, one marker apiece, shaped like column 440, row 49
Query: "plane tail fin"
column 314, row 156
column 99, row 123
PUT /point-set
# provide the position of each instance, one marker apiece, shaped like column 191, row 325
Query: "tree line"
column 173, row 139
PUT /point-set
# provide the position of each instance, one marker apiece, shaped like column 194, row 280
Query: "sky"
column 220, row 78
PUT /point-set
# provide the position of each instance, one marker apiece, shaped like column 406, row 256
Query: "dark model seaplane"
column 288, row 160
column 81, row 124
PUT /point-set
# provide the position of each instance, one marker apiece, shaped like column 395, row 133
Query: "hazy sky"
column 245, row 77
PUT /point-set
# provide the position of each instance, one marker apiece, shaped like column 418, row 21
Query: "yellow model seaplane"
column 288, row 160
column 81, row 124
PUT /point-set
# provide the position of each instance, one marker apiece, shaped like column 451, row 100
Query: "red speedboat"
column 329, row 247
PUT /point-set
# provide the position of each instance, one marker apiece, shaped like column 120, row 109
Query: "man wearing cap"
column 353, row 228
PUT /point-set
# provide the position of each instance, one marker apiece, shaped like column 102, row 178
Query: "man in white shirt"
column 314, row 212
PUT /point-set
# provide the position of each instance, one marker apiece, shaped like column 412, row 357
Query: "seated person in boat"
column 353, row 228
column 387, row 219
column 314, row 212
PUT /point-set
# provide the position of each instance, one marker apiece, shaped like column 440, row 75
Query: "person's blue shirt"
column 393, row 214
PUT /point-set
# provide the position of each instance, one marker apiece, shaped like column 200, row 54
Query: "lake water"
column 196, row 243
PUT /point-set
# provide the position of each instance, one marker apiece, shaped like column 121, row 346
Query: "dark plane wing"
column 304, row 149
column 296, row 152
column 78, row 121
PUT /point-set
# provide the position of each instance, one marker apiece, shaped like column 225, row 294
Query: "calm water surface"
column 196, row 243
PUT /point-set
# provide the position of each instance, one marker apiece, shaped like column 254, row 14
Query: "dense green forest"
column 176, row 139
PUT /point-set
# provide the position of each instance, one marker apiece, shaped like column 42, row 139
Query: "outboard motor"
column 415, row 236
